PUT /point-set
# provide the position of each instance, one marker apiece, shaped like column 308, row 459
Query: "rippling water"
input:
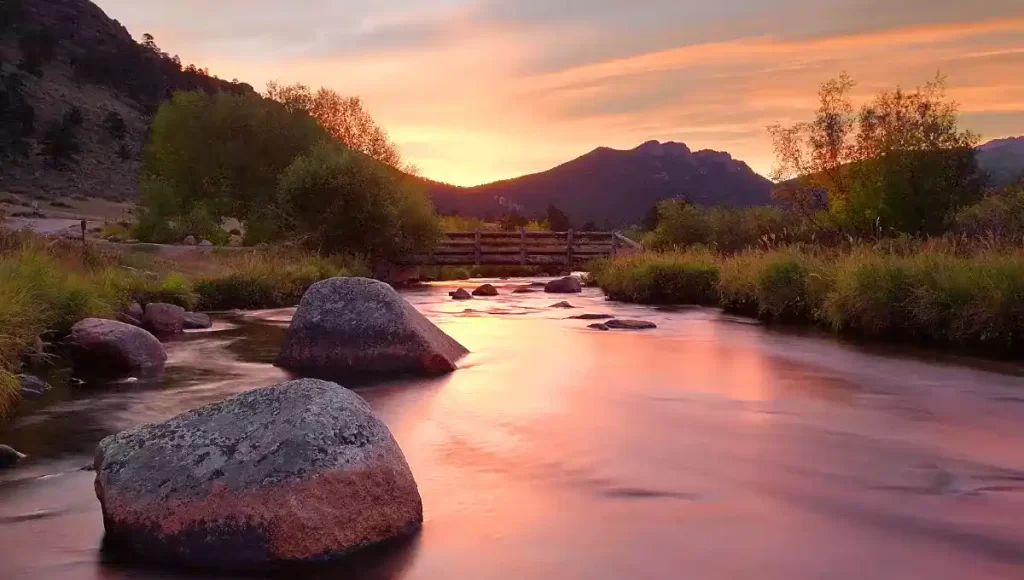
column 708, row 448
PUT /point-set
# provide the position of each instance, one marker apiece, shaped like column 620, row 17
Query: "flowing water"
column 708, row 448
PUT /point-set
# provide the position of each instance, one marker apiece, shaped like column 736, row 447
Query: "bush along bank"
column 47, row 286
column 927, row 294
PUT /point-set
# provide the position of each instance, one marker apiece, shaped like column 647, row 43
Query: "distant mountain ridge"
column 613, row 187
column 1002, row 160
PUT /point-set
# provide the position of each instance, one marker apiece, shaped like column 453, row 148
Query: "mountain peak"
column 667, row 149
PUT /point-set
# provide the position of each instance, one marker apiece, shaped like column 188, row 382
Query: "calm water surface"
column 709, row 448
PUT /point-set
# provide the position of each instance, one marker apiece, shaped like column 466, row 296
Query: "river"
column 709, row 448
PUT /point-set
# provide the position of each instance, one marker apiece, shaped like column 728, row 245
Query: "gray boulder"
column 135, row 311
column 567, row 285
column 109, row 345
column 460, row 294
column 9, row 456
column 206, row 243
column 486, row 290
column 196, row 321
column 32, row 387
column 189, row 241
column 626, row 324
column 302, row 472
column 348, row 327
column 163, row 318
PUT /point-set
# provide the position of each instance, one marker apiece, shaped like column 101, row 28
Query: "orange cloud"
column 470, row 106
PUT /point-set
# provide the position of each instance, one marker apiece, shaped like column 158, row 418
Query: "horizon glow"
column 474, row 91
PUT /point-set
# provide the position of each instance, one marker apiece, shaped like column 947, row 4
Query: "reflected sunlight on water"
column 708, row 445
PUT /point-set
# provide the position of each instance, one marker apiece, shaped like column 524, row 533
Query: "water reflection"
column 709, row 445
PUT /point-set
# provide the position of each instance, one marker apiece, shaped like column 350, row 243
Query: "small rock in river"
column 592, row 317
column 461, row 294
column 486, row 290
column 9, row 456
column 32, row 387
column 196, row 321
column 562, row 305
column 626, row 324
column 598, row 326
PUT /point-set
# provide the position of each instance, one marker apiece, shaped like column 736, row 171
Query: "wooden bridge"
column 569, row 249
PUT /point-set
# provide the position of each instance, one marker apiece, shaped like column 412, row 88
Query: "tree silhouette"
column 557, row 220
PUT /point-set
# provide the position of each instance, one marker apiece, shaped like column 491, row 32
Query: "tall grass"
column 932, row 293
column 690, row 277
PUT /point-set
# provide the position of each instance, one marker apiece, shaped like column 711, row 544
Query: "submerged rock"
column 357, row 326
column 626, row 324
column 460, row 294
column 592, row 317
column 562, row 305
column 302, row 472
column 196, row 321
column 32, row 387
column 486, row 290
column 112, row 346
column 599, row 326
column 9, row 456
column 567, row 285
column 524, row 290
column 163, row 318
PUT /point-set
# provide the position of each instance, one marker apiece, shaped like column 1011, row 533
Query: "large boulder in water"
column 348, row 327
column 111, row 346
column 567, row 285
column 301, row 472
column 163, row 318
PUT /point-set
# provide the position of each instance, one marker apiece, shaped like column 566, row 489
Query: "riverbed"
column 711, row 447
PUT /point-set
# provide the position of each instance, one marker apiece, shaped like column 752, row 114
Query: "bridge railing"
column 522, row 248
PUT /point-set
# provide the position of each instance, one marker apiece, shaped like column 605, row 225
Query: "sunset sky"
column 479, row 90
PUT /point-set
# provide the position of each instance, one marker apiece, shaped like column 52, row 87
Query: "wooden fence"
column 568, row 249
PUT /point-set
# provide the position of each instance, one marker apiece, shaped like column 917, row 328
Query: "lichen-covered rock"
column 486, row 290
column 301, row 472
column 567, row 285
column 163, row 318
column 460, row 294
column 196, row 321
column 350, row 327
column 111, row 346
column 626, row 324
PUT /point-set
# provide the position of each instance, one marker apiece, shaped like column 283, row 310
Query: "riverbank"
column 922, row 294
column 48, row 285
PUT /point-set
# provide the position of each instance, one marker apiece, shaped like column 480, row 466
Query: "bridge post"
column 522, row 246
column 568, row 251
column 476, row 244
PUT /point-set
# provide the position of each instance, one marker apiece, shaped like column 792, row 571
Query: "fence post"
column 615, row 243
column 568, row 251
column 522, row 246
column 476, row 244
